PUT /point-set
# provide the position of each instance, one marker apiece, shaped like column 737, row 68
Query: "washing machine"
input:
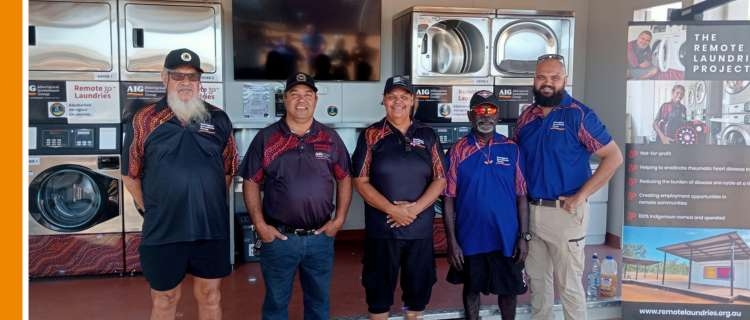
column 443, row 46
column 736, row 134
column 519, row 37
column 75, row 220
column 668, row 47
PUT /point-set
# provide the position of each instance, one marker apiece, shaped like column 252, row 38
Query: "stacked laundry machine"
column 450, row 53
column 75, row 216
column 92, row 64
column 735, row 118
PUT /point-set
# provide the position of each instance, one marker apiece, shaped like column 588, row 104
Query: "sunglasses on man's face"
column 549, row 56
column 484, row 111
column 179, row 76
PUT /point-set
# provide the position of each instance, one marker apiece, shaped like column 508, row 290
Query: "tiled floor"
column 116, row 298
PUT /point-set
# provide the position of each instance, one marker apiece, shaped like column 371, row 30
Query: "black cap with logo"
column 398, row 82
column 300, row 78
column 183, row 57
column 484, row 97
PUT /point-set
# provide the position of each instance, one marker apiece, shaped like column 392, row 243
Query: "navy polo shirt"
column 298, row 173
column 182, row 171
column 400, row 167
column 485, row 180
column 556, row 148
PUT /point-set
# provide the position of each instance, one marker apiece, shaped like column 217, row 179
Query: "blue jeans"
column 280, row 259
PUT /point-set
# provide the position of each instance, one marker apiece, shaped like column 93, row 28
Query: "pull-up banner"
column 686, row 237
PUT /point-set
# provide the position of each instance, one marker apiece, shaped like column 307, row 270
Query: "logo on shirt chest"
column 417, row 143
column 322, row 155
column 558, row 125
column 206, row 128
column 502, row 161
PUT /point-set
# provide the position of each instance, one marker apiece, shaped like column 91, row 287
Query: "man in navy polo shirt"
column 557, row 135
column 178, row 158
column 299, row 162
column 399, row 171
column 486, row 211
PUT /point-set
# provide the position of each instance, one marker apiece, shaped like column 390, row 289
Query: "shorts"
column 381, row 263
column 164, row 266
column 490, row 273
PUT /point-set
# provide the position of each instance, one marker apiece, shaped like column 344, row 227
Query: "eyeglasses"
column 179, row 76
column 548, row 56
column 484, row 111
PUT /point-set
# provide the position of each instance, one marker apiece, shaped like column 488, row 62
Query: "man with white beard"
column 179, row 156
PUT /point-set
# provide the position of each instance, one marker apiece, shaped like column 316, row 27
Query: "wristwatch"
column 526, row 236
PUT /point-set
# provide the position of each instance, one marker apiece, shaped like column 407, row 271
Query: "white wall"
column 741, row 273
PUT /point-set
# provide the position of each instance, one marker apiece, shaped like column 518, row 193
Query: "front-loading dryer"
column 75, row 222
column 735, row 135
column 443, row 46
column 519, row 37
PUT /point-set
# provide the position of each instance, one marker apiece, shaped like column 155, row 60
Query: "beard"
column 545, row 101
column 189, row 111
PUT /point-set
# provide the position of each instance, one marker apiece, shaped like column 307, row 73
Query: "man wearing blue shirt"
column 486, row 212
column 557, row 135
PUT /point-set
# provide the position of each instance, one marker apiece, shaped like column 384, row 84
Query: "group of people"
column 512, row 206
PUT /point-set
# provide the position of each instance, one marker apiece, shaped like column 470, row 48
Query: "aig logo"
column 136, row 90
column 504, row 92
column 32, row 89
column 424, row 92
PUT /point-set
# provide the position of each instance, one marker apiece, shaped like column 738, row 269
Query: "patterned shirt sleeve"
column 520, row 170
column 341, row 162
column 362, row 156
column 230, row 156
column 592, row 133
column 438, row 158
column 451, row 163
column 135, row 146
column 252, row 165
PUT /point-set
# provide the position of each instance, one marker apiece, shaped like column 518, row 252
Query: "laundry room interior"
column 84, row 229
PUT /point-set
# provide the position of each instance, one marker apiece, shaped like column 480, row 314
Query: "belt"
column 295, row 231
column 546, row 203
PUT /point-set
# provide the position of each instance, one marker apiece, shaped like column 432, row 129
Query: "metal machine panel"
column 73, row 40
column 520, row 36
column 150, row 29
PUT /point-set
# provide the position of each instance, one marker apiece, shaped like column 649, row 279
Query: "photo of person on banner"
column 674, row 112
column 656, row 52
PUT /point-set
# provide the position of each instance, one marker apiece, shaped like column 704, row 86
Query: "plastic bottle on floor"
column 609, row 280
column 592, row 279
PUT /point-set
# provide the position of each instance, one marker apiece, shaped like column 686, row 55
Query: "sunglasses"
column 179, row 76
column 484, row 111
column 548, row 56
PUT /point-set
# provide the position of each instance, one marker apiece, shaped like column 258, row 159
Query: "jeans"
column 280, row 259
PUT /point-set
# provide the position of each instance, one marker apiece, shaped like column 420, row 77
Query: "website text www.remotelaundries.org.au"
column 691, row 313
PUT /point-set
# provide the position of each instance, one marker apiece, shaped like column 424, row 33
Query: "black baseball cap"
column 484, row 97
column 398, row 82
column 183, row 57
column 300, row 78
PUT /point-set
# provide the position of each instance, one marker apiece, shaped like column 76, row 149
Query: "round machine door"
column 72, row 198
column 737, row 135
column 518, row 44
column 452, row 47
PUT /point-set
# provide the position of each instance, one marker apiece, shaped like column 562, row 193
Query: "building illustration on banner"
column 708, row 265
